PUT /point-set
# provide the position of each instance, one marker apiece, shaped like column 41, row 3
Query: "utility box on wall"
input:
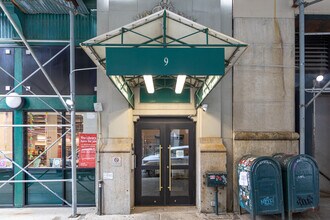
column 300, row 182
column 216, row 179
column 260, row 186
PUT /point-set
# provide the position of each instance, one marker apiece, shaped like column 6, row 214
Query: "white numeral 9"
column 165, row 61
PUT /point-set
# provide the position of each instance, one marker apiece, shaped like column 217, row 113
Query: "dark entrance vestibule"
column 165, row 161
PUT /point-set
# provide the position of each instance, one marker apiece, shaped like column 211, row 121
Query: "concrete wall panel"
column 211, row 124
column 116, row 191
column 213, row 157
column 263, row 8
column 267, row 31
column 119, row 5
column 264, row 76
column 270, row 116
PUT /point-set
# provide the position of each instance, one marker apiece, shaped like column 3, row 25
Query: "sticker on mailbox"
column 243, row 179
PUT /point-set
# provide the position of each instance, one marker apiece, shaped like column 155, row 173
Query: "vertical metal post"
column 216, row 201
column 302, row 76
column 73, row 116
column 314, row 120
column 164, row 29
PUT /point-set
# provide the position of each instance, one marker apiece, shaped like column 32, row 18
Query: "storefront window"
column 40, row 138
column 6, row 140
column 6, row 154
column 56, row 161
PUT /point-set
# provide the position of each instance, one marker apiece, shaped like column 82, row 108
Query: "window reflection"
column 150, row 151
column 180, row 147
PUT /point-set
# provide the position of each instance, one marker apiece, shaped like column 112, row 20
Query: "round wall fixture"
column 14, row 101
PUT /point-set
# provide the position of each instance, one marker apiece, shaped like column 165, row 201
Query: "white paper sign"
column 243, row 179
column 180, row 153
column 91, row 115
column 107, row 176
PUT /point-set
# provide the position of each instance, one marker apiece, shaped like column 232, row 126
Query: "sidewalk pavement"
column 149, row 213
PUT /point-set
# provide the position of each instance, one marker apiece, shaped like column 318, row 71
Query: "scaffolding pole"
column 302, row 76
column 73, row 116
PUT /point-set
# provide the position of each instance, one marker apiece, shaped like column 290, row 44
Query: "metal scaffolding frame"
column 69, row 107
column 302, row 4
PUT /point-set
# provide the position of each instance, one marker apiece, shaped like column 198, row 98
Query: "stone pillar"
column 213, row 159
column 116, row 149
column 117, row 174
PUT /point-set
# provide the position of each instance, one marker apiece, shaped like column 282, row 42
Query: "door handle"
column 160, row 168
column 169, row 169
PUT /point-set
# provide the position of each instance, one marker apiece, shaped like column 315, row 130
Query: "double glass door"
column 165, row 162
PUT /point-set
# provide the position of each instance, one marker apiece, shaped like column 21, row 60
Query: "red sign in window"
column 87, row 150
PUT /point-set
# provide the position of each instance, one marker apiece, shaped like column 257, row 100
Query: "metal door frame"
column 165, row 125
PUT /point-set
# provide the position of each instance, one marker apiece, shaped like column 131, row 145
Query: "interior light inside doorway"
column 181, row 79
column 149, row 83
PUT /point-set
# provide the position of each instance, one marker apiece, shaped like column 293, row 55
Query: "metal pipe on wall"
column 73, row 116
column 99, row 196
column 302, row 76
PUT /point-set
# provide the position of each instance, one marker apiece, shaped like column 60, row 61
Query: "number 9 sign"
column 166, row 61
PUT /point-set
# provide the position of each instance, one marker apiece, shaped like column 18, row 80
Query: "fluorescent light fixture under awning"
column 149, row 83
column 180, row 81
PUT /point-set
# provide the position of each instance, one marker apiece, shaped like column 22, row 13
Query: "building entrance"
column 165, row 161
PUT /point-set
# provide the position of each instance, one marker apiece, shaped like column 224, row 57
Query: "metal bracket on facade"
column 318, row 93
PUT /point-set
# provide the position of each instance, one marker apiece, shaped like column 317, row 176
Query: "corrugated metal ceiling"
column 49, row 6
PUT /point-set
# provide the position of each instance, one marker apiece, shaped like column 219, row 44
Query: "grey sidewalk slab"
column 150, row 213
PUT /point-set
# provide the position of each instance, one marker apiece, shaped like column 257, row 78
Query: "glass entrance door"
column 165, row 161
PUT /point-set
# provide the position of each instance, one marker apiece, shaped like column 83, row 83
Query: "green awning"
column 164, row 31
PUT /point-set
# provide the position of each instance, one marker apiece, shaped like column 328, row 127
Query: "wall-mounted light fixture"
column 149, row 83
column 69, row 102
column 180, row 81
column 204, row 107
column 14, row 101
column 319, row 78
